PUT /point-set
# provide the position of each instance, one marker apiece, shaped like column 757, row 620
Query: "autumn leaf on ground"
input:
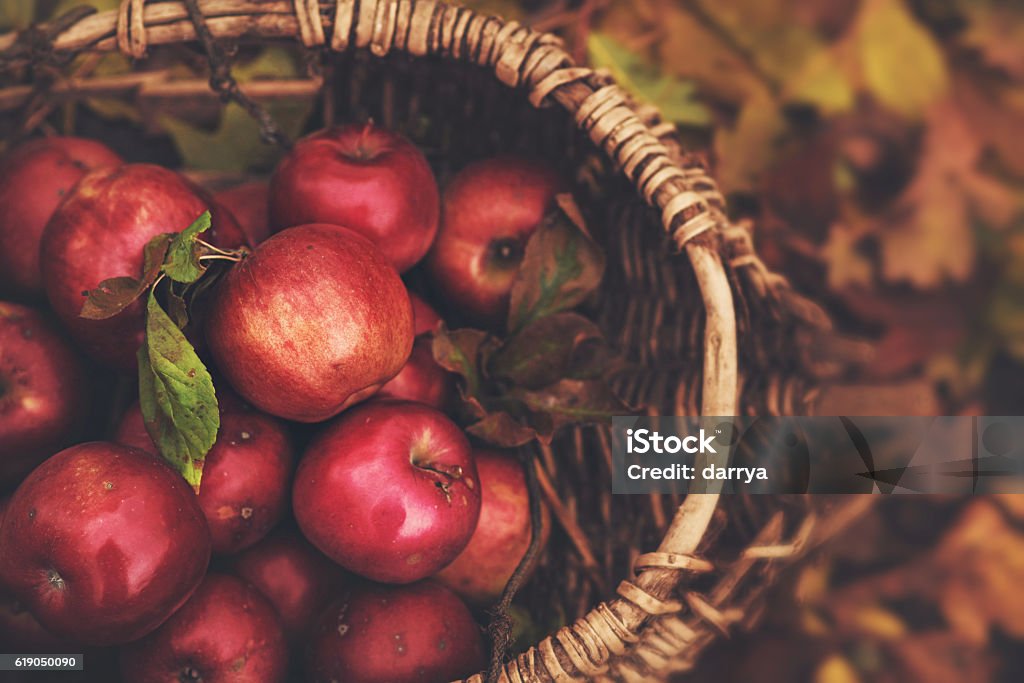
column 928, row 237
column 675, row 97
column 995, row 28
column 900, row 60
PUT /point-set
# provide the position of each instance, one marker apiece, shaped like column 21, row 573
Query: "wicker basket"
column 708, row 329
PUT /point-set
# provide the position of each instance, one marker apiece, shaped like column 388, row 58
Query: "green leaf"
column 114, row 295
column 676, row 98
column 459, row 351
column 561, row 267
column 572, row 401
column 543, row 351
column 176, row 395
column 902, row 62
column 182, row 264
column 502, row 430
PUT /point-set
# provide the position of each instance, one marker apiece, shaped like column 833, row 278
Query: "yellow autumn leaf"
column 823, row 83
column 836, row 669
column 901, row 62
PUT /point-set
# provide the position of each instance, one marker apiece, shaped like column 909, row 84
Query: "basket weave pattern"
column 653, row 626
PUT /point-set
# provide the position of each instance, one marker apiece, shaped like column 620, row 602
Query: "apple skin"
column 100, row 232
column 314, row 321
column 246, row 475
column 424, row 317
column 421, row 379
column 249, row 204
column 34, row 179
column 106, row 561
column 296, row 578
column 389, row 491
column 42, row 392
column 226, row 633
column 366, row 178
column 421, row 633
column 502, row 536
column 490, row 209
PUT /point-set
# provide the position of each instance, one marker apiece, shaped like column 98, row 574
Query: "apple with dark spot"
column 102, row 543
column 296, row 578
column 490, row 209
column 421, row 633
column 42, row 392
column 389, row 490
column 100, row 232
column 502, row 536
column 246, row 475
column 34, row 178
column 365, row 178
column 226, row 633
column 314, row 321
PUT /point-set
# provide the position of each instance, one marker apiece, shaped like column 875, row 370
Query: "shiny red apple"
column 420, row 633
column 502, row 536
column 100, row 231
column 246, row 475
column 363, row 177
column 226, row 633
column 34, row 178
column 490, row 209
column 421, row 379
column 249, row 203
column 389, row 491
column 42, row 392
column 102, row 543
column 296, row 578
column 314, row 321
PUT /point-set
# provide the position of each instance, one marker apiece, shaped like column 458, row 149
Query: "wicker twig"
column 224, row 83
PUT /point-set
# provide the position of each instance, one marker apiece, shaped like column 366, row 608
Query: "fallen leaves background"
column 878, row 147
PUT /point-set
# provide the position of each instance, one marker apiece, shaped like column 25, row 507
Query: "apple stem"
column 500, row 628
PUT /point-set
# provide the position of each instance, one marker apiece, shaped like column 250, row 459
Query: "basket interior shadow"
column 648, row 306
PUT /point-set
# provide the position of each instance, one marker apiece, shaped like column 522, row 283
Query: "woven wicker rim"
column 642, row 620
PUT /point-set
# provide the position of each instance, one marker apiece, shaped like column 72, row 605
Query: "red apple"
column 34, row 178
column 395, row 634
column 100, row 231
column 389, row 491
column 102, row 543
column 249, row 203
column 422, row 379
column 424, row 317
column 314, row 321
column 226, row 633
column 42, row 396
column 294, row 576
column 490, row 209
column 246, row 475
column 365, row 178
column 502, row 536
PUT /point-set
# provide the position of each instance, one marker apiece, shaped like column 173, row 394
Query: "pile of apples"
column 359, row 554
